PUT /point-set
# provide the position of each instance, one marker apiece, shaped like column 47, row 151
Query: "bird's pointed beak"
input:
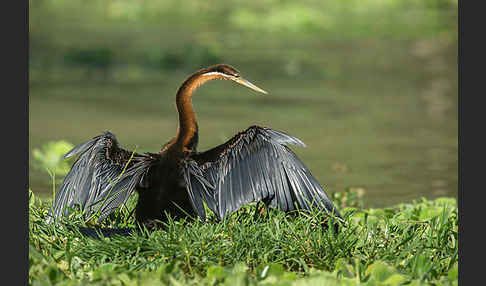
column 248, row 84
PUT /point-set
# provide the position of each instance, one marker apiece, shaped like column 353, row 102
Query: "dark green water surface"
column 377, row 113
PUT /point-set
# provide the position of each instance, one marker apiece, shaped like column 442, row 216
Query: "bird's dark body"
column 255, row 165
column 166, row 193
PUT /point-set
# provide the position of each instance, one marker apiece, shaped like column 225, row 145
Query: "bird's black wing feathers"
column 102, row 178
column 255, row 165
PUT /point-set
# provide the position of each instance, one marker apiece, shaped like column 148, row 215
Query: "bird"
column 255, row 165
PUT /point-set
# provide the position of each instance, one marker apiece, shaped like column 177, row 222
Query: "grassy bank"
column 408, row 244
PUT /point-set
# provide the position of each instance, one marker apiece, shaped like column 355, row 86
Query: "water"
column 377, row 114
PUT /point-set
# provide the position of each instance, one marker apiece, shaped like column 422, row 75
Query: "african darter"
column 253, row 166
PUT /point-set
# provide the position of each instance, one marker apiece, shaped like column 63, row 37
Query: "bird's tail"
column 98, row 232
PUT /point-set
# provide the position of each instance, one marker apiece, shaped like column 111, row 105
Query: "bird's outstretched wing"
column 102, row 178
column 255, row 165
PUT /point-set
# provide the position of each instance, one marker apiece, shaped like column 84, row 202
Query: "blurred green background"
column 369, row 85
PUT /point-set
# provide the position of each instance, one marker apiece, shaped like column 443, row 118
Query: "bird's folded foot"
column 259, row 210
column 152, row 225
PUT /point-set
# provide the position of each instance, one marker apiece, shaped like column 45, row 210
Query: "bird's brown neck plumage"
column 187, row 131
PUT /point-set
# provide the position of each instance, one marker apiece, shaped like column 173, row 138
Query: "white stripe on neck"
column 216, row 73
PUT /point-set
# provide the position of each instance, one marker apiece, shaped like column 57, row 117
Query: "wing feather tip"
column 88, row 168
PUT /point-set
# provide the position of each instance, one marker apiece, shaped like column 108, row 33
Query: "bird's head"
column 223, row 71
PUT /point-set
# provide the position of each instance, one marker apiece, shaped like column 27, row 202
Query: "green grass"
column 408, row 244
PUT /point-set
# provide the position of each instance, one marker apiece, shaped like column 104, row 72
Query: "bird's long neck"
column 187, row 133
